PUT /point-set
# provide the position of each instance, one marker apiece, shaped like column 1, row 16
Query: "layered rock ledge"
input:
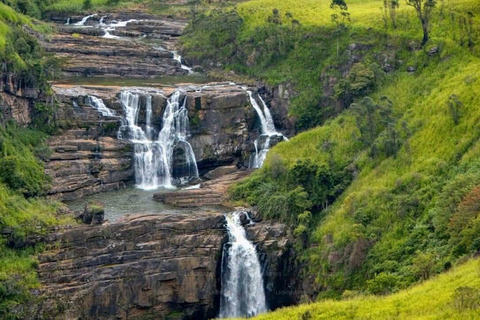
column 87, row 156
column 209, row 193
column 152, row 267
column 139, row 49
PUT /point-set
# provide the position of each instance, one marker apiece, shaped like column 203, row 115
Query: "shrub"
column 383, row 283
column 466, row 298
column 87, row 4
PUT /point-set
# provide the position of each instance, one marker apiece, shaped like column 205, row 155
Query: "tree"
column 424, row 9
column 87, row 4
column 342, row 15
column 390, row 9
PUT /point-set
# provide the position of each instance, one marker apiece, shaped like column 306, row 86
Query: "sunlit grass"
column 396, row 195
column 433, row 299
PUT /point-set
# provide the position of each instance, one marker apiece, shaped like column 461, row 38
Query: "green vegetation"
column 454, row 295
column 299, row 45
column 20, row 52
column 24, row 218
column 385, row 193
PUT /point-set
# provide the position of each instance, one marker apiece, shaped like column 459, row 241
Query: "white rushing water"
column 262, row 143
column 178, row 58
column 243, row 294
column 110, row 28
column 100, row 106
column 82, row 22
column 154, row 154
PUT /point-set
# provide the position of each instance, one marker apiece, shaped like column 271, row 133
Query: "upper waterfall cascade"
column 108, row 28
column 154, row 151
column 263, row 142
column 98, row 104
column 242, row 294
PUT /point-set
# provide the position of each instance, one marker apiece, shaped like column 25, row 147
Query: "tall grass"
column 405, row 208
column 437, row 298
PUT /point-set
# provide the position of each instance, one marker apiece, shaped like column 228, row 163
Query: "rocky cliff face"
column 150, row 267
column 16, row 99
column 89, row 158
column 140, row 49
column 277, row 256
column 86, row 157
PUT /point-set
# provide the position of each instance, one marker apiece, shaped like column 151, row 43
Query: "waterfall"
column 243, row 294
column 100, row 106
column 178, row 58
column 108, row 35
column 68, row 22
column 154, row 156
column 262, row 143
column 82, row 22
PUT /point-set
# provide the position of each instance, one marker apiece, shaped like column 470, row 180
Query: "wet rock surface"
column 210, row 193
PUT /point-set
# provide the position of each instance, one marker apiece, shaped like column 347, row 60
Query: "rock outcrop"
column 140, row 49
column 147, row 267
column 16, row 99
column 277, row 256
column 88, row 158
column 151, row 267
column 211, row 193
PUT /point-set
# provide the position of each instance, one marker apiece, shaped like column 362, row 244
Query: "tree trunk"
column 425, row 33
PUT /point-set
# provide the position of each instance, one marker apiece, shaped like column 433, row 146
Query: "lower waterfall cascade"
column 242, row 293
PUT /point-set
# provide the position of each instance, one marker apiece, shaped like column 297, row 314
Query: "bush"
column 87, row 4
column 383, row 283
column 21, row 170
column 466, row 298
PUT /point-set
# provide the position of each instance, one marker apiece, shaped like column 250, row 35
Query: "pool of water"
column 195, row 78
column 130, row 201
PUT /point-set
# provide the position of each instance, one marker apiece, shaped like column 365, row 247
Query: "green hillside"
column 385, row 192
column 454, row 295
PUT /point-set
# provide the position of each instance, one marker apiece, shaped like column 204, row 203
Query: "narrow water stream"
column 243, row 294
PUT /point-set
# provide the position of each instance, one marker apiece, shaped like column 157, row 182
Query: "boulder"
column 219, row 172
column 93, row 214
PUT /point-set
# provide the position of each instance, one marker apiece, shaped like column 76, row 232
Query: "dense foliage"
column 24, row 218
column 454, row 295
column 20, row 52
column 385, row 194
column 299, row 45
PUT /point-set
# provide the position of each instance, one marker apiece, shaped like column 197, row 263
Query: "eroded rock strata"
column 87, row 156
column 151, row 267
column 141, row 49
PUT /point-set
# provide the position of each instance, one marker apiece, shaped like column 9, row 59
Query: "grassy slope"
column 22, row 175
column 21, row 219
column 433, row 299
column 400, row 205
column 9, row 16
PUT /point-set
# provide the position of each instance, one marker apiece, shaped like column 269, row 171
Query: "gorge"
column 173, row 263
column 275, row 160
